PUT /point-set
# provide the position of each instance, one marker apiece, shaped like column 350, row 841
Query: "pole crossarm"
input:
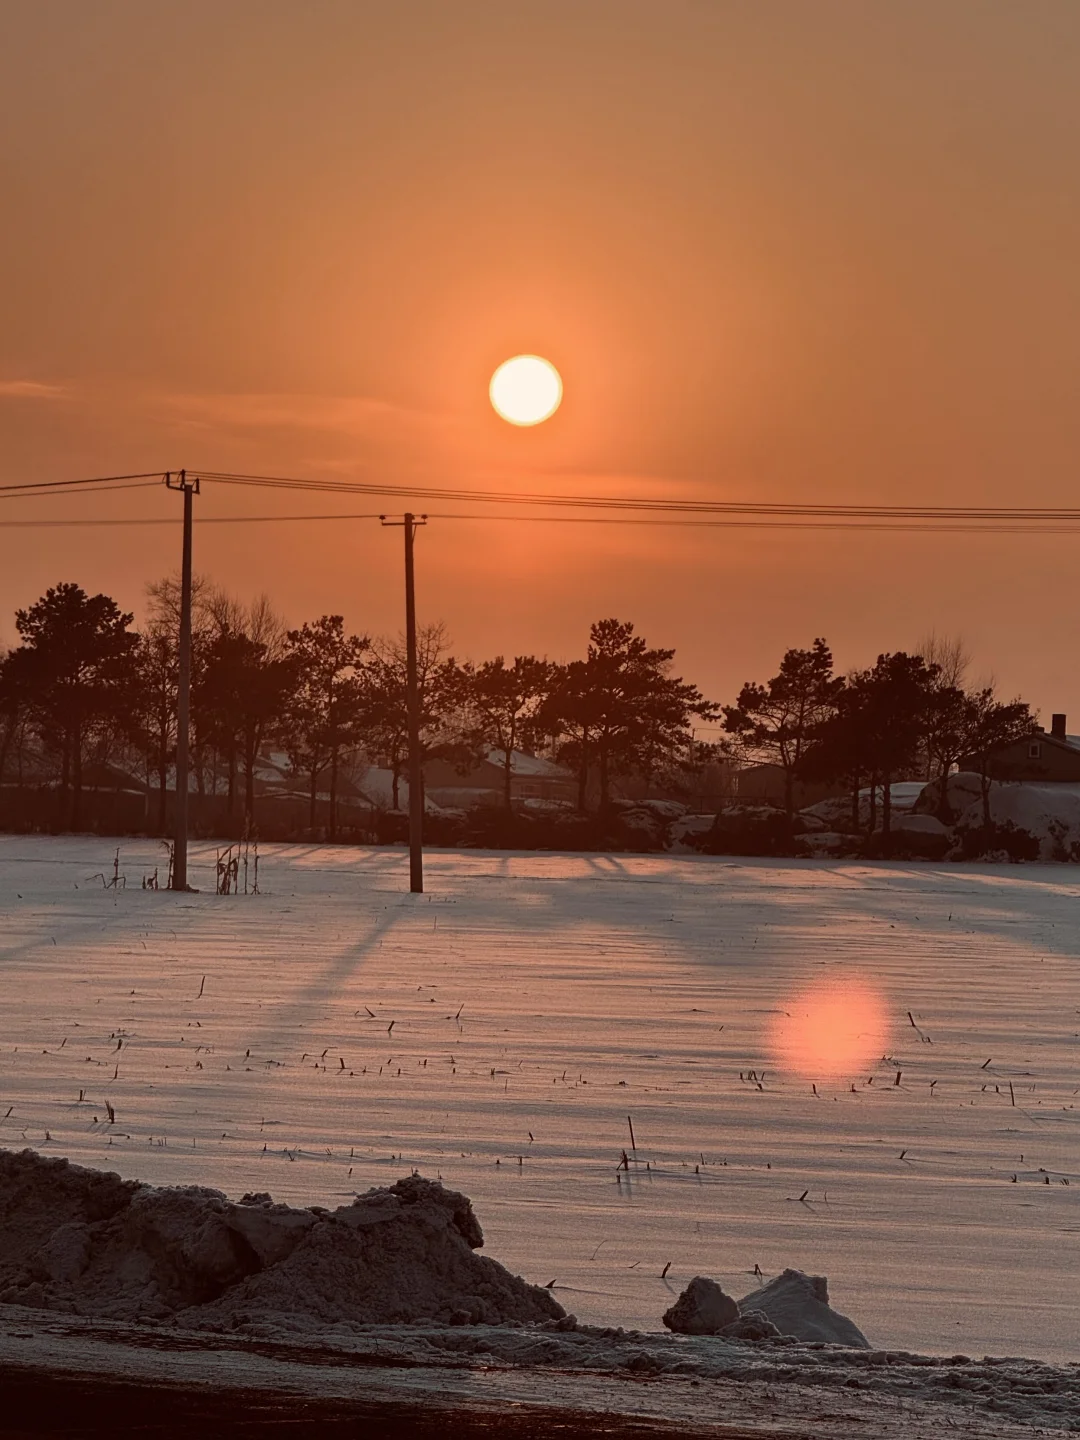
column 182, row 481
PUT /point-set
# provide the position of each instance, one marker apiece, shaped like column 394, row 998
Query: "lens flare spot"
column 830, row 1030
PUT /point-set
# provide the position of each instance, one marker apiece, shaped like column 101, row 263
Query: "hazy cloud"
column 30, row 390
column 350, row 414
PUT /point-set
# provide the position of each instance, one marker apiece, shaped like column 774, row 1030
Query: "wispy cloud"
column 30, row 390
column 341, row 413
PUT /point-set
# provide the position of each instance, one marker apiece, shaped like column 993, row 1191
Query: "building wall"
column 1053, row 762
column 479, row 785
column 41, row 807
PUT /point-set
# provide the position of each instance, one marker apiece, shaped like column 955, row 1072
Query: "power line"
column 1000, row 520
column 71, row 494
column 765, row 523
column 688, row 507
column 171, row 520
column 838, row 524
column 31, row 488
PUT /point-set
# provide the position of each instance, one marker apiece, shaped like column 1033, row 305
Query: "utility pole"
column 416, row 772
column 189, row 488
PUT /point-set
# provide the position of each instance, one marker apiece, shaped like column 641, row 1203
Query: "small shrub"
column 1003, row 838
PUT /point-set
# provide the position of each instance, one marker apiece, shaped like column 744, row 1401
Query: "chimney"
column 1057, row 726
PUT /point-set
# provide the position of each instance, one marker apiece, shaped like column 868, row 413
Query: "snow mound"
column 798, row 1305
column 921, row 825
column 1048, row 813
column 663, row 809
column 86, row 1242
column 836, row 810
column 962, row 789
column 793, row 1304
column 703, row 1308
column 823, row 844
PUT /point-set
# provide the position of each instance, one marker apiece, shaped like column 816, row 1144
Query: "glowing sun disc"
column 526, row 390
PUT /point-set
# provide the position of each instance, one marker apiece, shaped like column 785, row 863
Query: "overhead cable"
column 838, row 524
column 33, row 487
column 660, row 506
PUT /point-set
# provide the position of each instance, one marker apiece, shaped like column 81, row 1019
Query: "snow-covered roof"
column 1069, row 742
column 534, row 765
column 377, row 785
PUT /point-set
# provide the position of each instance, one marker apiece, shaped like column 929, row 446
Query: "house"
column 111, row 799
column 1048, row 757
column 532, row 778
column 282, row 800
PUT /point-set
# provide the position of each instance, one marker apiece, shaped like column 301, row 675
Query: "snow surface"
column 625, row 1384
column 553, row 996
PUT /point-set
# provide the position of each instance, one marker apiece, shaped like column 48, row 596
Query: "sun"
column 526, row 390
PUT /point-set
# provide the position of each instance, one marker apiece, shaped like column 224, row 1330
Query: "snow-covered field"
column 751, row 1018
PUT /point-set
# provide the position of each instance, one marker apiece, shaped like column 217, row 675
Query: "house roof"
column 100, row 775
column 1063, row 742
column 1070, row 744
column 533, row 765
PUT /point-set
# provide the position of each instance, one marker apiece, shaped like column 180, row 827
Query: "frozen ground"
column 506, row 1385
column 334, row 1033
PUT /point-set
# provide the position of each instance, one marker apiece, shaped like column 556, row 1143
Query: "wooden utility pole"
column 412, row 686
column 189, row 488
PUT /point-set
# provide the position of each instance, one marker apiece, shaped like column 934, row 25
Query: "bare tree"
column 951, row 656
column 243, row 684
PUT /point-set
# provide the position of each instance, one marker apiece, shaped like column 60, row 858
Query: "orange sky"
column 779, row 251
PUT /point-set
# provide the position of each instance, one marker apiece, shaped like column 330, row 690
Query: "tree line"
column 84, row 686
column 908, row 716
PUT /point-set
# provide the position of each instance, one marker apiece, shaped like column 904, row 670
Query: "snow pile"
column 1050, row 814
column 836, row 810
column 662, row 809
column 911, row 824
column 825, row 844
column 962, row 790
column 89, row 1243
column 793, row 1304
column 921, row 836
column 703, row 1308
column 798, row 1305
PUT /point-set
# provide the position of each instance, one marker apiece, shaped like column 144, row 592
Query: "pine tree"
column 78, row 669
column 621, row 709
column 780, row 720
column 505, row 701
column 325, row 707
